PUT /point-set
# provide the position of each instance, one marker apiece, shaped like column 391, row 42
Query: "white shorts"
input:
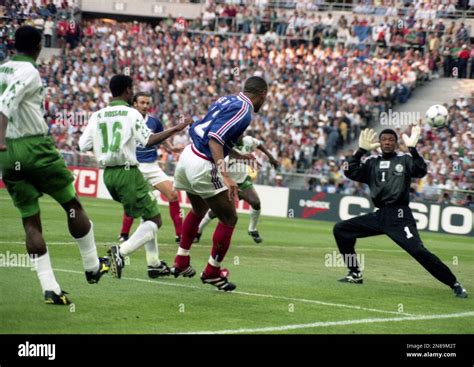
column 196, row 174
column 153, row 173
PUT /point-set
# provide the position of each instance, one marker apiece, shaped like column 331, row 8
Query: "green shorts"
column 247, row 184
column 128, row 186
column 31, row 167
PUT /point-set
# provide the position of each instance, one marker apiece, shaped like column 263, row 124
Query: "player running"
column 113, row 132
column 148, row 166
column 239, row 172
column 388, row 176
column 32, row 166
column 204, row 175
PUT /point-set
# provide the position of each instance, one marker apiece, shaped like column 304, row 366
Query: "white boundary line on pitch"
column 250, row 294
column 335, row 323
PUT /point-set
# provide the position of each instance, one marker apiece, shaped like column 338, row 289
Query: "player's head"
column 388, row 141
column 142, row 102
column 28, row 41
column 122, row 86
column 256, row 89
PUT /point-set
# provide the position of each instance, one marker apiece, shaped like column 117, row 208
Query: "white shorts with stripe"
column 196, row 174
column 153, row 173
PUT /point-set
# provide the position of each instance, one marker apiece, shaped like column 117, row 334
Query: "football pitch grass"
column 284, row 285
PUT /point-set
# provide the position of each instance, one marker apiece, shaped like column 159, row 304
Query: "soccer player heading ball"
column 204, row 175
column 388, row 176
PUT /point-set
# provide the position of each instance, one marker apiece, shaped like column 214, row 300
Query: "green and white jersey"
column 238, row 170
column 22, row 97
column 113, row 133
column 248, row 145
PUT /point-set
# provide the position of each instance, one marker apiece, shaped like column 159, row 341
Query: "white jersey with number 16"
column 113, row 133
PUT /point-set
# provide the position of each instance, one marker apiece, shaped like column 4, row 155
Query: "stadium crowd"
column 319, row 97
column 321, row 94
column 55, row 18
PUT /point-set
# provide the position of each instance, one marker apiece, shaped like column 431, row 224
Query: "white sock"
column 254, row 216
column 182, row 252
column 88, row 250
column 152, row 253
column 145, row 232
column 214, row 262
column 204, row 222
column 43, row 267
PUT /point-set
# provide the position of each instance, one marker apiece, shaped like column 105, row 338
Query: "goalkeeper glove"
column 366, row 140
column 410, row 141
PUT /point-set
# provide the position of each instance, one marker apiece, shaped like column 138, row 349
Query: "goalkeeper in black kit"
column 388, row 176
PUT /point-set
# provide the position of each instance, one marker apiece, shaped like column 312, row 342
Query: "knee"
column 200, row 213
column 418, row 251
column 34, row 241
column 157, row 220
column 73, row 204
column 255, row 205
column 172, row 196
column 337, row 229
column 230, row 220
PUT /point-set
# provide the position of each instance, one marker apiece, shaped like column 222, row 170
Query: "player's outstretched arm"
column 419, row 167
column 159, row 137
column 171, row 148
column 354, row 169
column 271, row 158
column 3, row 131
column 247, row 158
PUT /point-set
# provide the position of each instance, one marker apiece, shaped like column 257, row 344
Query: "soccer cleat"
column 177, row 239
column 158, row 271
column 219, row 282
column 189, row 272
column 256, row 236
column 123, row 237
column 197, row 238
column 459, row 290
column 117, row 262
column 52, row 298
column 104, row 267
column 352, row 277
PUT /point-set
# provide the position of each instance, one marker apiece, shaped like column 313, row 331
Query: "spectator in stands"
column 463, row 58
column 48, row 31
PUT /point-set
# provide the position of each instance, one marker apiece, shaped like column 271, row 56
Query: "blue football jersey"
column 225, row 122
column 149, row 155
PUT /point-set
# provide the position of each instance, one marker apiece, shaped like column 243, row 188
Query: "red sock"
column 220, row 245
column 190, row 228
column 175, row 214
column 126, row 224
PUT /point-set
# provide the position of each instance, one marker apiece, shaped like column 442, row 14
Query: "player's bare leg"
column 82, row 230
column 190, row 227
column 36, row 247
column 250, row 195
column 166, row 188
